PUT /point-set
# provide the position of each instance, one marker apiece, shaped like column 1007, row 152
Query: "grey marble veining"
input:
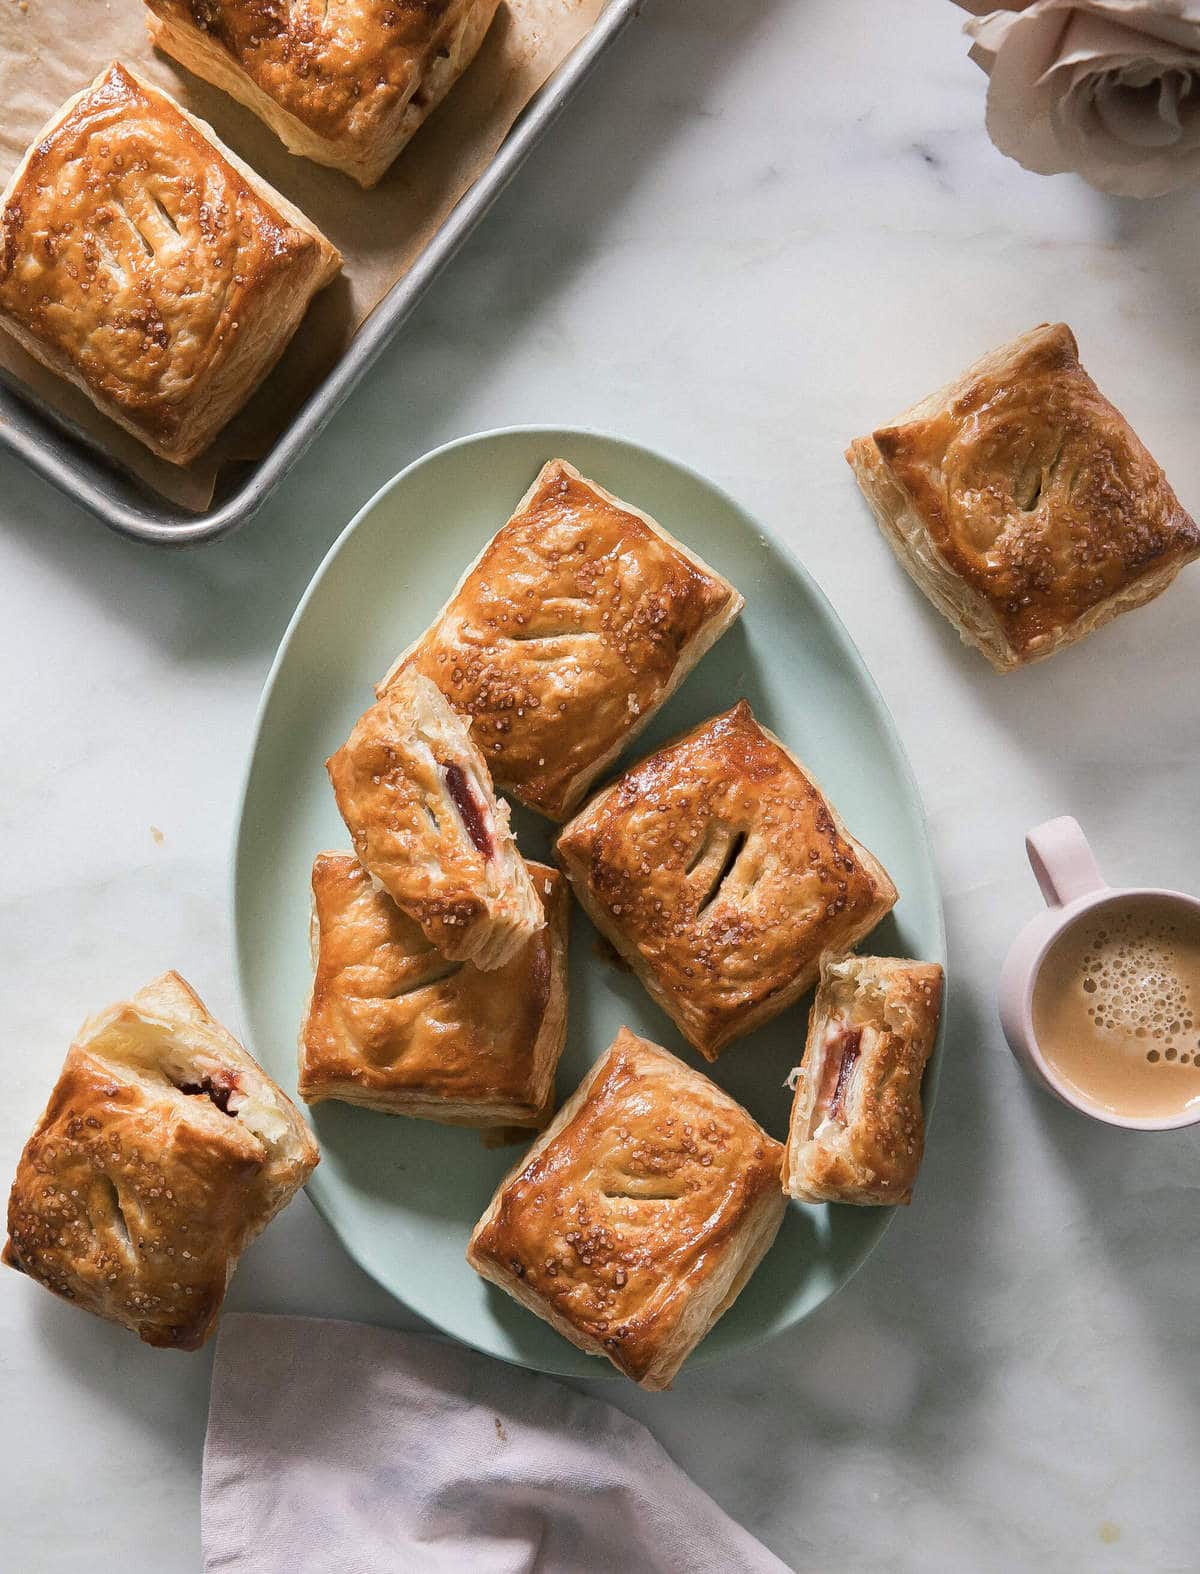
column 762, row 229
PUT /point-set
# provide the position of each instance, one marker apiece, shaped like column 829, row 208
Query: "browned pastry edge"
column 714, row 1256
column 1126, row 535
column 364, row 152
column 269, row 304
column 347, row 1074
column 509, row 697
column 575, row 850
column 163, row 1151
column 438, row 843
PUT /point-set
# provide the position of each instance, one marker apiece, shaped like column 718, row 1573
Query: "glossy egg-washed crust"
column 577, row 621
column 146, row 264
column 720, row 872
column 1023, row 504
column 874, row 1155
column 396, row 1027
column 389, row 779
column 635, row 1220
column 134, row 1198
column 345, row 84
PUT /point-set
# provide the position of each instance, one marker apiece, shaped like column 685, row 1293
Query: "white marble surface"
column 762, row 228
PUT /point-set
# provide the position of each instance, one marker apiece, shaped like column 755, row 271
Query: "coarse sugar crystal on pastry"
column 164, row 1150
column 720, row 872
column 635, row 1221
column 1023, row 503
column 575, row 624
column 143, row 262
column 395, row 1026
column 343, row 85
column 417, row 800
column 857, row 1127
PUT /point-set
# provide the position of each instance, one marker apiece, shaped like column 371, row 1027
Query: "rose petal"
column 1143, row 113
column 1020, row 100
column 989, row 33
column 1116, row 166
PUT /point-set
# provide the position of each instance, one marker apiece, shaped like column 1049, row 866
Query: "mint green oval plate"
column 402, row 1194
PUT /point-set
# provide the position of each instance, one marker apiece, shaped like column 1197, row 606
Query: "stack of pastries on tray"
column 715, row 867
column 147, row 264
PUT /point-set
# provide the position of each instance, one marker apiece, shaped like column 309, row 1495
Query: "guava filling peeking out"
column 219, row 1088
column 843, row 1046
column 471, row 812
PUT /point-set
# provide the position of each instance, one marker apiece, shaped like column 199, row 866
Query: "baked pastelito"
column 719, row 870
column 343, row 85
column 415, row 794
column 857, row 1127
column 164, row 1150
column 568, row 632
column 1023, row 503
column 635, row 1220
column 394, row 1026
column 147, row 265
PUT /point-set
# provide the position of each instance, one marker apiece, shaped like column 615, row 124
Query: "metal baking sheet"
column 71, row 461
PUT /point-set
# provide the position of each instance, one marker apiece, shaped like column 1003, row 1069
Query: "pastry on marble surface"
column 146, row 264
column 394, row 1026
column 345, row 86
column 575, row 623
column 164, row 1150
column 636, row 1219
column 857, row 1130
column 720, row 872
column 414, row 792
column 1023, row 503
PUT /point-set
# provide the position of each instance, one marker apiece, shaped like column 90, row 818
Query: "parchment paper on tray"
column 49, row 49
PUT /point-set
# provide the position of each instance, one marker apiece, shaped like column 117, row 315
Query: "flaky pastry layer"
column 164, row 1150
column 635, row 1220
column 857, row 1126
column 1022, row 502
column 720, row 872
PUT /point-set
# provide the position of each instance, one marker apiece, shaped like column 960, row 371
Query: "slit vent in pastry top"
column 164, row 1150
column 1022, row 502
column 569, row 631
column 417, row 800
column 857, row 1127
column 636, row 1219
column 343, row 85
column 146, row 264
column 719, row 871
column 393, row 1025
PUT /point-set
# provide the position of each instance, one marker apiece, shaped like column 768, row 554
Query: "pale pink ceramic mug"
column 1070, row 880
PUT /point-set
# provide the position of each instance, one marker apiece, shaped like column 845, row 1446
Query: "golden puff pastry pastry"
column 344, row 85
column 1022, row 502
column 146, row 264
column 394, row 1026
column 857, row 1128
column 720, row 873
column 567, row 633
column 415, row 795
column 636, row 1219
column 162, row 1153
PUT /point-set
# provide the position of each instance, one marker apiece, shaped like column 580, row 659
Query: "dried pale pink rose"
column 1107, row 88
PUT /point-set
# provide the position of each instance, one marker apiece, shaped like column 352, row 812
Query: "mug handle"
column 1062, row 862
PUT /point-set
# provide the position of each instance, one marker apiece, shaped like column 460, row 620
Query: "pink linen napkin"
column 334, row 1448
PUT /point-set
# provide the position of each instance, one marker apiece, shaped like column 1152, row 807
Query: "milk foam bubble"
column 1131, row 974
